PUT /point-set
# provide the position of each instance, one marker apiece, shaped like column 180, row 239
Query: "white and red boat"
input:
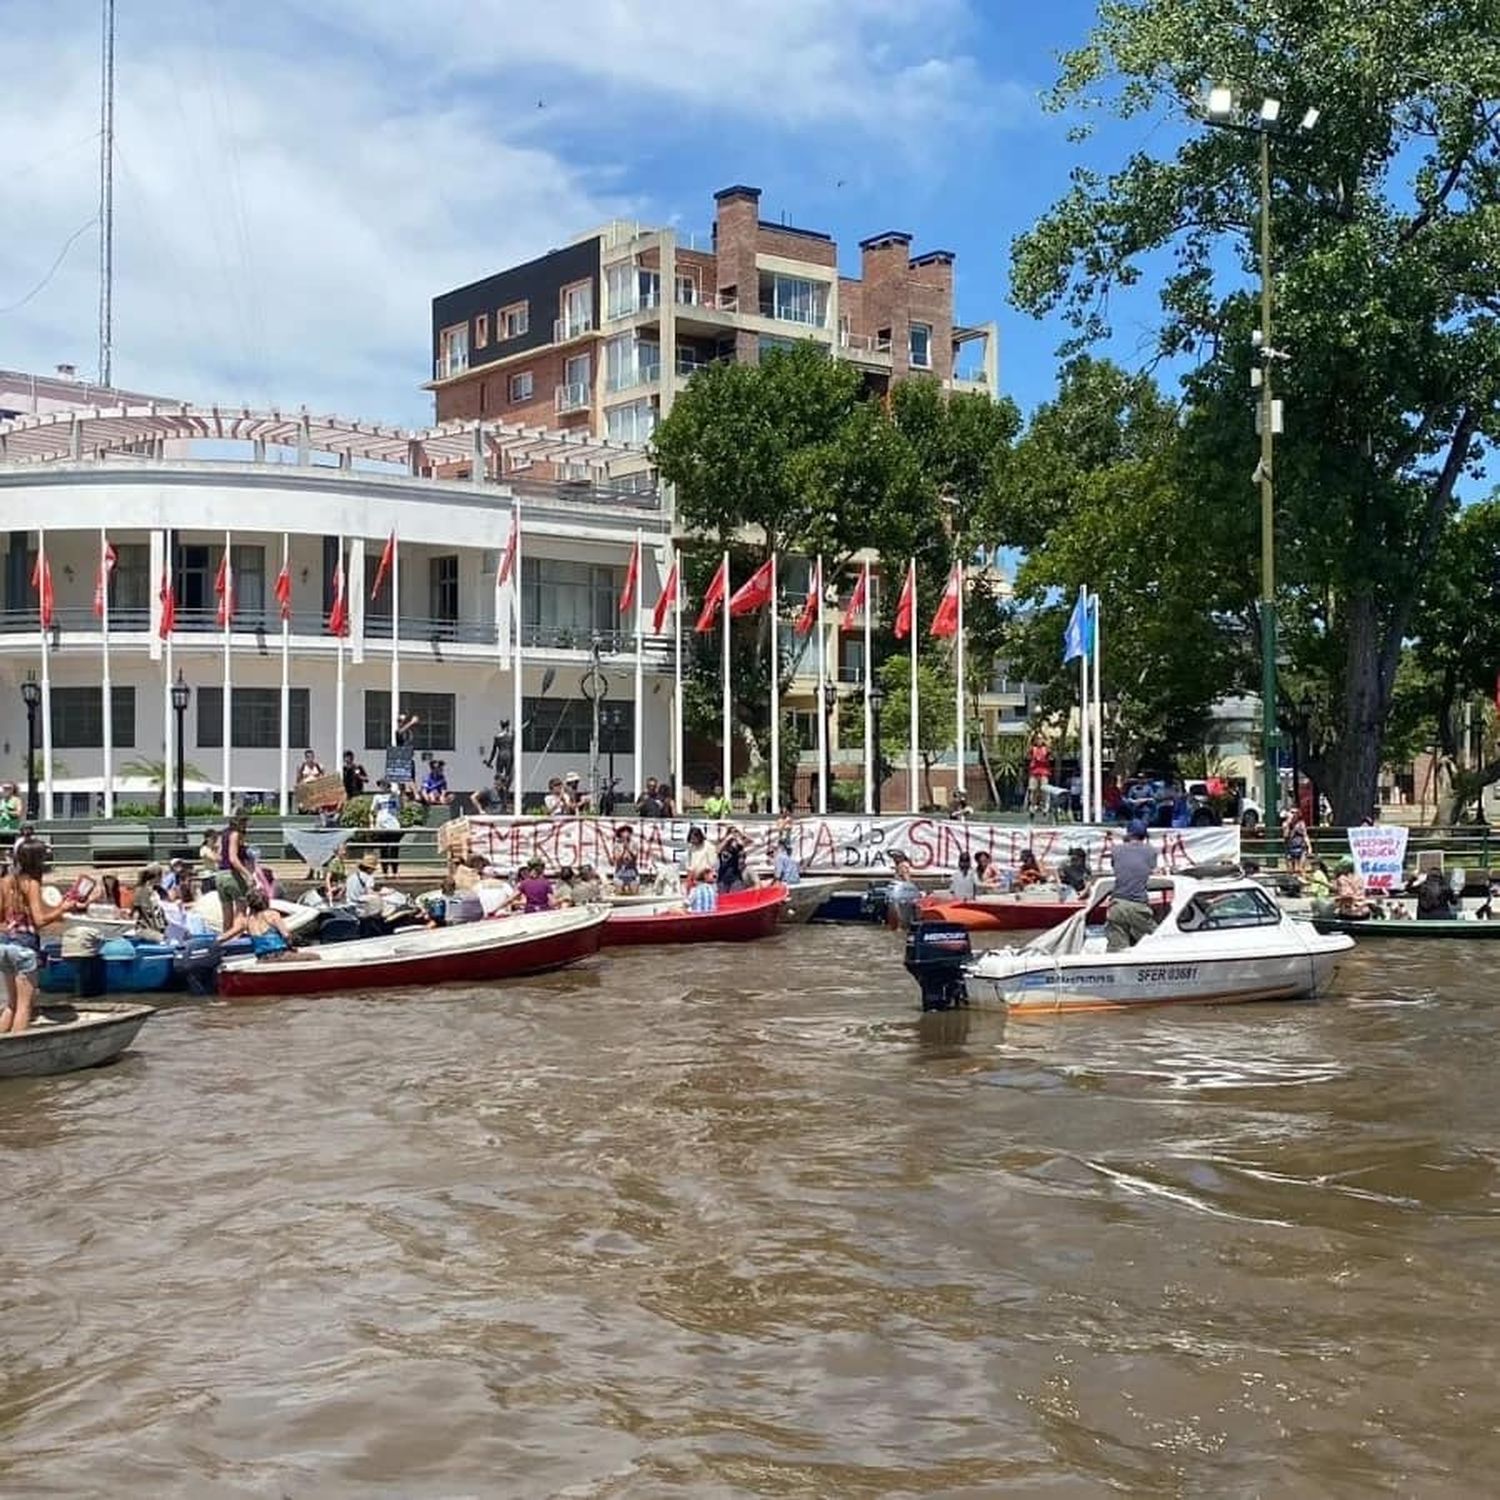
column 739, row 917
column 497, row 948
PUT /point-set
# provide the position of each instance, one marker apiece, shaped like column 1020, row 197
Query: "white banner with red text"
column 826, row 846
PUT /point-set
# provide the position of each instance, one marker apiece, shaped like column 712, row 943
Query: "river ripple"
column 739, row 1222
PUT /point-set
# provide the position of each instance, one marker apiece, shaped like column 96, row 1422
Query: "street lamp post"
column 1223, row 114
column 31, row 696
column 877, row 758
column 830, row 702
column 180, row 694
column 594, row 685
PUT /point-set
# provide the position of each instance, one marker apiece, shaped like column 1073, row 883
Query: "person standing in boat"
column 731, row 862
column 625, row 862
column 963, row 886
column 235, row 878
column 700, row 858
column 1074, row 874
column 1349, row 892
column 786, row 869
column 1130, row 914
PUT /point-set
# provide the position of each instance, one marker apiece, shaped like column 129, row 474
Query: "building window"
column 564, row 603
column 78, row 718
column 453, row 351
column 249, row 566
column 130, row 582
column 194, row 579
column 482, row 331
column 687, row 290
column 769, row 344
column 633, row 422
column 793, row 299
column 804, row 724
column 630, row 361
column 521, row 386
column 442, row 575
column 577, row 303
column 436, row 713
column 254, row 719
column 514, row 320
column 377, row 601
column 565, row 726
column 920, row 344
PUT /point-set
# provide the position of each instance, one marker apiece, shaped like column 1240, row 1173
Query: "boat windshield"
column 1217, row 911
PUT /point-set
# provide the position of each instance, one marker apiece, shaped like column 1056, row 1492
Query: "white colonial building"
column 172, row 488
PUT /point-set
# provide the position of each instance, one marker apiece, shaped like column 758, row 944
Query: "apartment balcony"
column 807, row 317
column 564, row 330
column 645, row 372
column 447, row 366
column 865, row 348
column 642, row 302
column 574, row 397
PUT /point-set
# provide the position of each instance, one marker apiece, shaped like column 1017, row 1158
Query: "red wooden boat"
column 1001, row 912
column 499, row 948
column 739, row 917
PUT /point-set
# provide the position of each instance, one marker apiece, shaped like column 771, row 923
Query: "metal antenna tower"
column 106, row 191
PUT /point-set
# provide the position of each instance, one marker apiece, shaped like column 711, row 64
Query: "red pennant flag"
column 906, row 605
column 224, row 589
column 854, row 613
column 809, row 616
column 284, row 591
column 101, row 584
column 41, row 581
column 386, row 559
column 708, row 615
column 632, row 579
column 338, row 616
column 168, row 621
column 945, row 621
column 508, row 557
column 665, row 603
column 755, row 592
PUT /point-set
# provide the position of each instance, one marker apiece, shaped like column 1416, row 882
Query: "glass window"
column 254, row 719
column 453, row 350
column 794, row 299
column 566, row 602
column 195, row 578
column 1211, row 911
column 577, row 310
column 442, row 573
column 565, row 726
column 579, row 371
column 520, row 386
column 130, row 582
column 249, row 565
column 633, row 422
column 78, row 718
column 481, row 331
column 436, row 713
column 920, row 344
column 687, row 290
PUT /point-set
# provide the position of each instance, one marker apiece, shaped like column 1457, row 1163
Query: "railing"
column 641, row 302
column 574, row 397
column 808, row 316
column 647, row 373
column 720, row 301
column 449, row 365
column 688, row 364
column 972, row 377
column 571, row 328
column 864, row 343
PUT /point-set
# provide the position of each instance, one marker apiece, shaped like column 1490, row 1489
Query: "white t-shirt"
column 387, row 811
column 495, row 895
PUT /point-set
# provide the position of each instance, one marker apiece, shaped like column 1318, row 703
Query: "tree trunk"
column 1352, row 761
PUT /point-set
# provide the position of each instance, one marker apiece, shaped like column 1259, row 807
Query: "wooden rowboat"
column 68, row 1038
column 497, row 948
column 739, row 917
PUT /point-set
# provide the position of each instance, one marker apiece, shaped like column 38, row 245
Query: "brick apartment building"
column 601, row 334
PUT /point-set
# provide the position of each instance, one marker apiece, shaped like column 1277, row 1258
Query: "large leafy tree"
column 1387, row 254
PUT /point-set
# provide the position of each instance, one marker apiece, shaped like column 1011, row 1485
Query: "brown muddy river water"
column 738, row 1222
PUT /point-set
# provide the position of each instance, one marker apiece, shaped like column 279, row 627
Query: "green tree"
column 1387, row 252
column 155, row 773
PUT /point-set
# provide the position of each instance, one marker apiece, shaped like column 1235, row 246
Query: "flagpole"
column 962, row 774
column 869, row 716
column 677, row 781
column 395, row 634
column 1098, row 766
column 640, row 671
column 286, row 685
column 820, row 706
column 341, row 589
column 44, row 573
column 775, row 808
column 1085, row 755
column 226, row 603
column 725, row 759
column 911, row 750
column 109, row 728
column 168, row 749
column 517, row 665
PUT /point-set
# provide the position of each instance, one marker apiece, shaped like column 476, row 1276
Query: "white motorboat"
column 1221, row 941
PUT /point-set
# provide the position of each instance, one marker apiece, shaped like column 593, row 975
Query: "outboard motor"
column 875, row 902
column 936, row 953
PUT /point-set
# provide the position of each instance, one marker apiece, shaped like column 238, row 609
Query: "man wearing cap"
column 1130, row 914
column 573, row 791
column 362, row 884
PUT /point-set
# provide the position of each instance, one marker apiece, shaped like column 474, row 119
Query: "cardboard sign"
column 828, row 846
column 1379, row 855
column 400, row 764
column 320, row 792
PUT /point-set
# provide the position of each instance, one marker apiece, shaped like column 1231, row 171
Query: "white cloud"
column 290, row 196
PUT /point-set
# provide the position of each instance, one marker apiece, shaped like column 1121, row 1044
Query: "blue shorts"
column 17, row 958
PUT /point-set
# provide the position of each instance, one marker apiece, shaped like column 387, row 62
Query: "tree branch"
column 1434, row 205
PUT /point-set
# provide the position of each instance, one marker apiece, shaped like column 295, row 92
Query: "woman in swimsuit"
column 268, row 934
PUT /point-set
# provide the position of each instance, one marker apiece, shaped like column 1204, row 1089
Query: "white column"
column 775, row 694
column 226, row 720
column 1085, row 753
column 49, row 809
column 958, row 671
column 640, row 665
column 1098, row 766
column 285, row 797
column 341, row 575
column 821, row 707
column 869, row 716
column 161, row 649
column 678, row 785
column 912, row 749
column 726, row 762
column 101, row 581
column 395, row 634
column 517, row 696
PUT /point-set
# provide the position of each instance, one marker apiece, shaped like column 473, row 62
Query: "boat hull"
column 740, row 917
column 500, row 948
column 1090, row 983
column 130, row 968
column 1454, row 929
column 100, row 1034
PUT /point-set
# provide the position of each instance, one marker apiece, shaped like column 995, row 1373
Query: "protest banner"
column 1379, row 855
column 828, row 846
column 319, row 792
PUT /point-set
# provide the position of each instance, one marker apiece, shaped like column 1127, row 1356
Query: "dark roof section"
column 738, row 190
column 888, row 237
column 933, row 258
column 809, row 234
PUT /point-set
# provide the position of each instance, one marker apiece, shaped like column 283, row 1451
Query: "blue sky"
column 290, row 196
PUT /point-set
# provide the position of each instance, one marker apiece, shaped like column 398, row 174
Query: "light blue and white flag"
column 1078, row 638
